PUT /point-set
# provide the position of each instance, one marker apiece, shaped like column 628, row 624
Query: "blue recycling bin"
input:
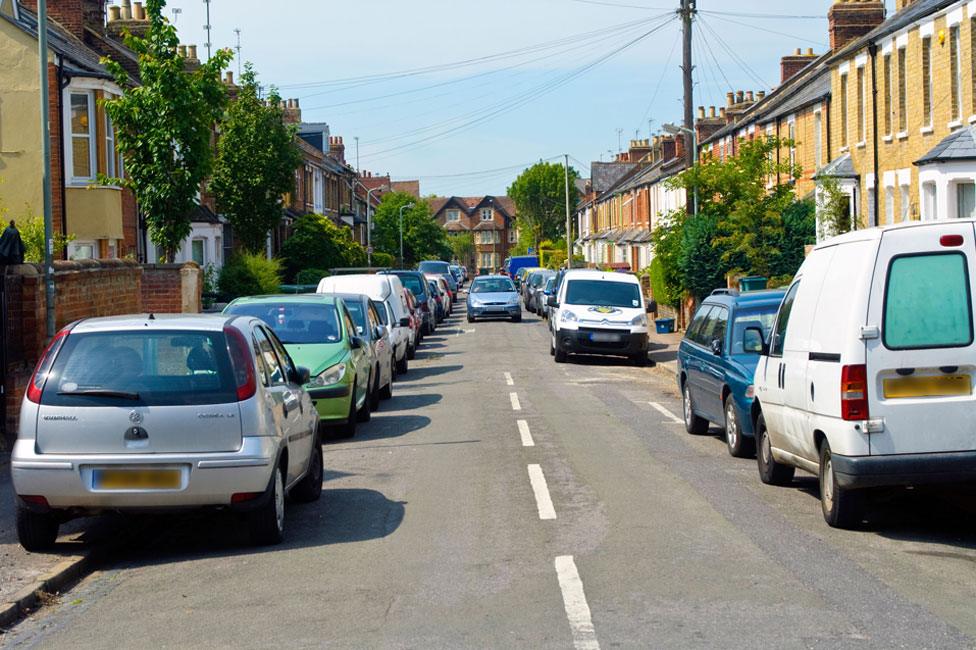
column 664, row 325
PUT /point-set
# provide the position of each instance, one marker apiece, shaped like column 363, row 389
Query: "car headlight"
column 568, row 317
column 639, row 320
column 331, row 375
column 513, row 300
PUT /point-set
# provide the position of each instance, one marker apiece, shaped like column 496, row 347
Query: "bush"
column 32, row 234
column 384, row 260
column 250, row 274
column 310, row 276
column 317, row 243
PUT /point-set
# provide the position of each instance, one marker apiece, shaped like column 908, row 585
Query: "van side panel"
column 834, row 342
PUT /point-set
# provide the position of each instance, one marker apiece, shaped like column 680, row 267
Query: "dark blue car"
column 717, row 359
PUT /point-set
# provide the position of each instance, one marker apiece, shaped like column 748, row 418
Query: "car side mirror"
column 552, row 302
column 404, row 322
column 380, row 331
column 717, row 347
column 356, row 342
column 302, row 376
column 753, row 341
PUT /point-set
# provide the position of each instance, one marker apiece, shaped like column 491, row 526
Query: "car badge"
column 135, row 417
column 605, row 310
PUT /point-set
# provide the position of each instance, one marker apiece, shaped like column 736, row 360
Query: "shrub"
column 32, row 234
column 317, row 243
column 310, row 276
column 249, row 274
column 384, row 260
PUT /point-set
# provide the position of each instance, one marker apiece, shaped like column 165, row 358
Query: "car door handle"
column 782, row 375
column 812, row 392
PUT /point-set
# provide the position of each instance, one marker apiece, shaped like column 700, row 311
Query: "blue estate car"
column 717, row 360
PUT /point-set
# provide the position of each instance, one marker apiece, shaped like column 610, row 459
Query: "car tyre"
column 364, row 414
column 693, row 423
column 842, row 508
column 552, row 346
column 470, row 319
column 739, row 445
column 387, row 391
column 411, row 351
column 402, row 365
column 348, row 428
column 559, row 353
column 374, row 395
column 517, row 319
column 36, row 531
column 267, row 523
column 771, row 471
column 309, row 489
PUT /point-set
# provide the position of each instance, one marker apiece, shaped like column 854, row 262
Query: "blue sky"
column 559, row 89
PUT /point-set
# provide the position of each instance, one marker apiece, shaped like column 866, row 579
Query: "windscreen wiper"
column 98, row 392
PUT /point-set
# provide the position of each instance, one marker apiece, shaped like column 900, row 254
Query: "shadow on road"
column 383, row 426
column 423, row 373
column 411, row 402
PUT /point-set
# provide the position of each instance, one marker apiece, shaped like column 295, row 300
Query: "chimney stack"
column 851, row 19
column 740, row 96
column 730, row 98
column 292, row 113
column 126, row 17
column 74, row 16
column 792, row 64
column 337, row 150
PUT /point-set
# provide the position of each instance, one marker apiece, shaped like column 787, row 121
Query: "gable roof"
column 604, row 175
column 470, row 204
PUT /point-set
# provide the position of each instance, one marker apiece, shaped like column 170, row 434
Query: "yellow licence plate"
column 934, row 386
column 137, row 479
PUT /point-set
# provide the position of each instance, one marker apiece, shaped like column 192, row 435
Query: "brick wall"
column 85, row 289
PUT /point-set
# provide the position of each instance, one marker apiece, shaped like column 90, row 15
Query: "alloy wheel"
column 731, row 425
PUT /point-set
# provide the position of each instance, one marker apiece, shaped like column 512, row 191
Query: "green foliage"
column 210, row 279
column 316, row 243
column 667, row 282
column 701, row 262
column 310, row 276
column 383, row 260
column 250, row 274
column 779, row 281
column 540, row 200
column 462, row 247
column 423, row 237
column 835, row 209
column 32, row 234
column 255, row 163
column 164, row 127
column 799, row 230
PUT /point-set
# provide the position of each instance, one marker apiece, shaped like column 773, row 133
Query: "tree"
column 423, row 237
column 462, row 247
column 834, row 209
column 317, row 243
column 667, row 283
column 799, row 230
column 255, row 163
column 703, row 268
column 164, row 127
column 539, row 193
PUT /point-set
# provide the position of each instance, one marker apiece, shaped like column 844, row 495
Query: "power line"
column 660, row 81
column 735, row 57
column 769, row 31
column 606, row 3
column 740, row 14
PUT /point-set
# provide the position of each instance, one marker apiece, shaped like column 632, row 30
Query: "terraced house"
column 491, row 219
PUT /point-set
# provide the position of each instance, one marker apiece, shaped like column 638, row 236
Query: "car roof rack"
column 725, row 292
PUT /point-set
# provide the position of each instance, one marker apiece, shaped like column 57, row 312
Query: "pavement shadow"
column 598, row 360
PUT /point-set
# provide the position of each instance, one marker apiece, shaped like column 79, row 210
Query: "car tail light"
column 240, row 358
column 241, row 497
column 854, row 392
column 36, row 385
column 424, row 307
column 34, row 500
column 951, row 240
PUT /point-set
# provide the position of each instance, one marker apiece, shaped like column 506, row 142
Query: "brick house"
column 491, row 219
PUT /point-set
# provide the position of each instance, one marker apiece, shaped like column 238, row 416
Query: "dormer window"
column 487, row 214
column 453, row 215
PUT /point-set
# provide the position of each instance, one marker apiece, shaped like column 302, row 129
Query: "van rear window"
column 928, row 302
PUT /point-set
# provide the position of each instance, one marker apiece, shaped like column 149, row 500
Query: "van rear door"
column 921, row 365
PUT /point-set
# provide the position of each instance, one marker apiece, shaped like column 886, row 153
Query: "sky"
column 463, row 95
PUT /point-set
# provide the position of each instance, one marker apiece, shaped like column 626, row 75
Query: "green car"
column 319, row 334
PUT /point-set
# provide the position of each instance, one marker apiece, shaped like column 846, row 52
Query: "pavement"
column 502, row 500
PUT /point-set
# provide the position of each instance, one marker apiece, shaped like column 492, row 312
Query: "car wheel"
column 36, row 531
column 552, row 345
column 411, row 351
column 387, row 391
column 771, row 472
column 739, row 446
column 309, row 489
column 267, row 523
column 639, row 359
column 348, row 429
column 401, row 365
column 559, row 353
column 842, row 508
column 470, row 319
column 517, row 319
column 693, row 423
column 374, row 395
column 364, row 413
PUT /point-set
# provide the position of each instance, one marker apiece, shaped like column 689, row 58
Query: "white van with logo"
column 597, row 312
column 867, row 380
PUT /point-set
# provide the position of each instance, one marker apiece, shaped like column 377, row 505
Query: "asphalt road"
column 502, row 500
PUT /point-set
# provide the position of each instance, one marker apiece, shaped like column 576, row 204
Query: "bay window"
column 82, row 136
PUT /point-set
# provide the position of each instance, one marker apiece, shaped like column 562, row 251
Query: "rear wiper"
column 97, row 392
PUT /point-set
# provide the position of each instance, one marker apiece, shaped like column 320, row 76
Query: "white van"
column 388, row 291
column 867, row 380
column 597, row 312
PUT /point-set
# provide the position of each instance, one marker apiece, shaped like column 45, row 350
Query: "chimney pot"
column 191, row 51
column 126, row 9
column 810, row 52
column 711, row 111
column 799, row 52
column 138, row 12
column 750, row 97
column 114, row 13
column 739, row 96
column 730, row 97
column 230, row 77
column 181, row 50
column 760, row 95
column 701, row 112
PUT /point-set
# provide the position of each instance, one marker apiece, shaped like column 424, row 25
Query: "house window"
column 955, row 71
column 198, row 251
column 818, row 140
column 513, row 236
column 889, row 95
column 906, row 203
column 81, row 250
column 861, row 99
column 792, row 137
column 889, row 205
column 110, row 152
column 843, row 110
column 927, row 82
column 82, row 136
column 928, row 201
column 902, row 90
column 218, row 249
column 487, row 214
column 453, row 215
column 966, row 200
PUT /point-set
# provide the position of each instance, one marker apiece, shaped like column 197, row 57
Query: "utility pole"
column 46, row 162
column 569, row 225
column 207, row 27
column 237, row 30
column 356, row 138
column 688, row 11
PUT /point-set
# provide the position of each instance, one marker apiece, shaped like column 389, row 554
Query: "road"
column 502, row 500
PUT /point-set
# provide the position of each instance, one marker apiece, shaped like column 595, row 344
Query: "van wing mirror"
column 717, row 347
column 553, row 301
column 380, row 331
column 753, row 341
column 404, row 322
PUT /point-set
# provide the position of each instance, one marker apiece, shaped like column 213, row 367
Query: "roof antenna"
column 152, row 317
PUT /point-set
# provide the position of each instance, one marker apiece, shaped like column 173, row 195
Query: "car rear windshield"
column 493, row 285
column 296, row 323
column 603, row 293
column 129, row 368
column 928, row 302
column 434, row 267
column 412, row 282
column 761, row 317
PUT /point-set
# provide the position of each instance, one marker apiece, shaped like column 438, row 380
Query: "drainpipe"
column 63, row 81
column 873, row 51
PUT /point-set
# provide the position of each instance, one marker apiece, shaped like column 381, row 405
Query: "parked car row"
column 861, row 372
column 221, row 411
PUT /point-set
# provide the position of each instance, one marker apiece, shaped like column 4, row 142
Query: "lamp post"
column 46, row 174
column 674, row 129
column 402, row 208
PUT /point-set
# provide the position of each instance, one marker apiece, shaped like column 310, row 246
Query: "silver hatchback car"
column 162, row 412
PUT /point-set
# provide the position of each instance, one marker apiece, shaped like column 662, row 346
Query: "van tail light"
column 36, row 385
column 950, row 241
column 244, row 497
column 854, row 392
column 34, row 500
column 240, row 358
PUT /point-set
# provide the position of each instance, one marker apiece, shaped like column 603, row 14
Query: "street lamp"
column 402, row 208
column 674, row 129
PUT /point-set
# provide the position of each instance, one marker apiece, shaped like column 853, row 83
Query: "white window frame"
column 74, row 179
column 861, row 78
column 955, row 81
column 453, row 215
column 203, row 246
column 817, row 139
column 76, row 246
column 487, row 214
column 111, row 155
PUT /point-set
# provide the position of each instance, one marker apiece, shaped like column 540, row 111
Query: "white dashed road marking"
column 666, row 413
column 508, row 379
column 574, row 600
column 516, row 405
column 523, row 428
column 542, row 499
